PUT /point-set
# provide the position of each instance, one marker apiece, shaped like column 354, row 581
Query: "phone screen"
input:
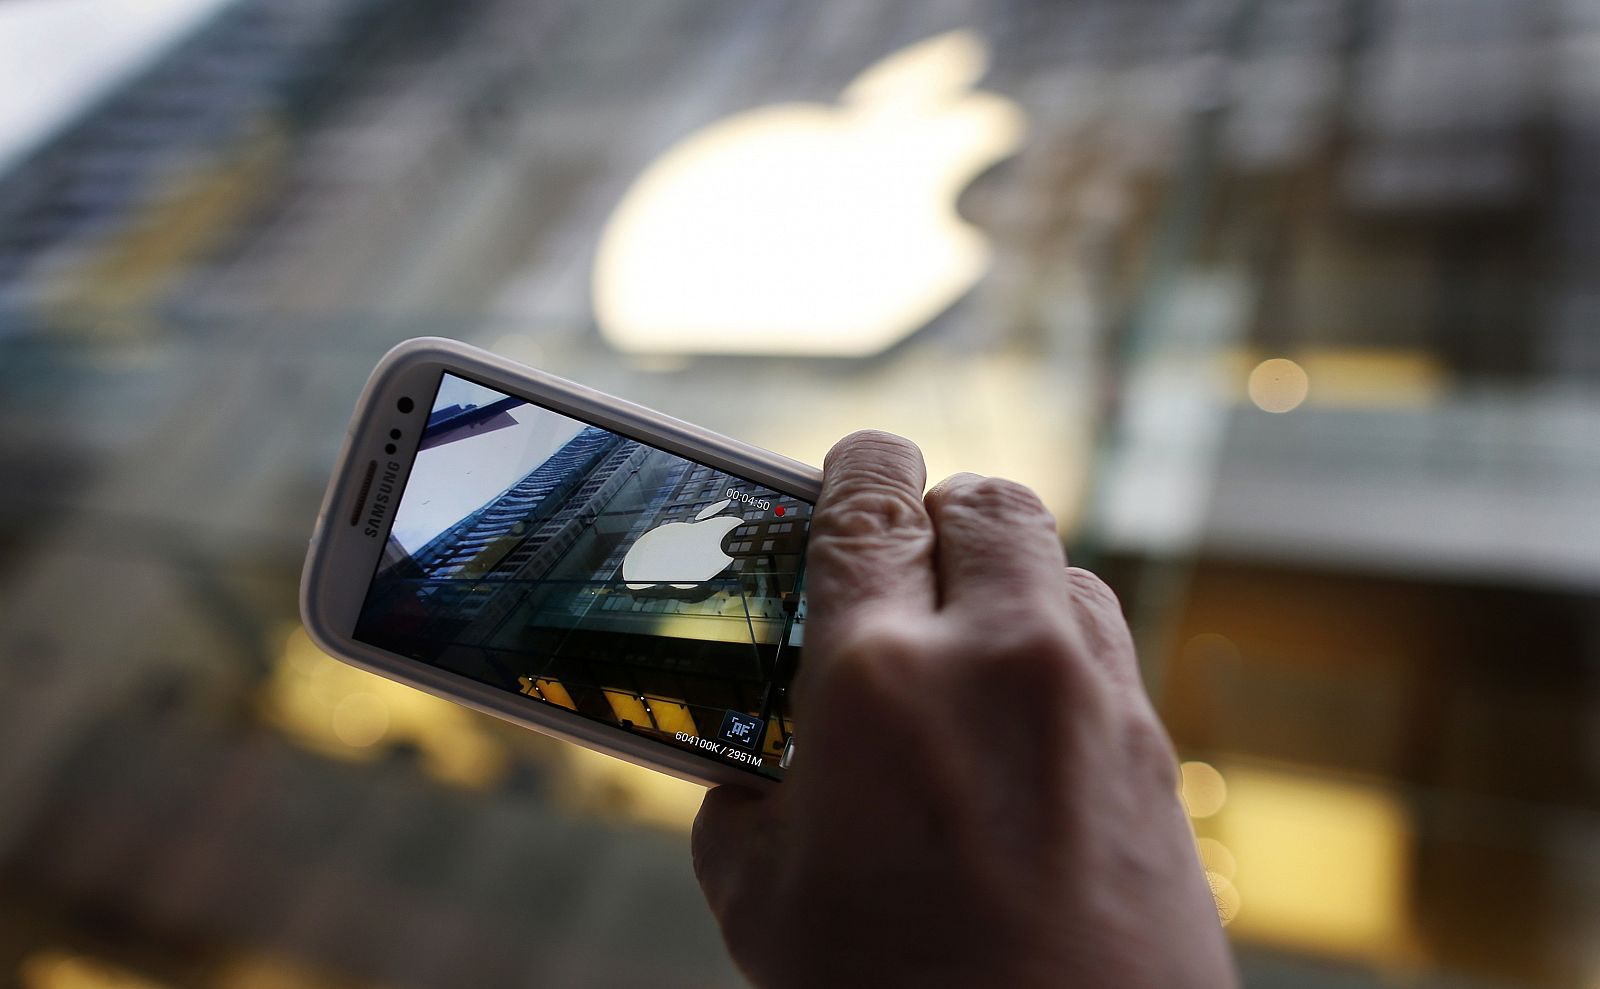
column 547, row 556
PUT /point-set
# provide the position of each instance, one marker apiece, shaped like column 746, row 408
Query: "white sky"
column 452, row 481
column 58, row 56
column 459, row 391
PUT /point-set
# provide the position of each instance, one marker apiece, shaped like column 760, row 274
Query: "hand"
column 981, row 794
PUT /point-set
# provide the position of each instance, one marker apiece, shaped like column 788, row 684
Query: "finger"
column 1102, row 632
column 733, row 837
column 998, row 549
column 871, row 544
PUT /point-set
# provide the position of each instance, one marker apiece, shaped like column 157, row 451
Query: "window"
column 766, row 546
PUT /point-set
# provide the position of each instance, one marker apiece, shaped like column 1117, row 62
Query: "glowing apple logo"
column 811, row 228
column 683, row 554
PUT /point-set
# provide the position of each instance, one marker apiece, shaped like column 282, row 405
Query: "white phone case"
column 343, row 556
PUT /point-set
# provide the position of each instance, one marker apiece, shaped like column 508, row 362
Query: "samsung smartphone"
column 568, row 561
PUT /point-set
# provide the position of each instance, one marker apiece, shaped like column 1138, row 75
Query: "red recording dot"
column 778, row 510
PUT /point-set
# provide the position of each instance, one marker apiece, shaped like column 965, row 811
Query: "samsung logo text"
column 381, row 498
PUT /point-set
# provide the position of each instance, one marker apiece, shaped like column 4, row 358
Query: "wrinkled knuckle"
column 873, row 449
column 1088, row 587
column 997, row 497
column 867, row 512
column 871, row 437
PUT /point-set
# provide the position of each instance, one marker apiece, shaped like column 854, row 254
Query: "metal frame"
column 342, row 559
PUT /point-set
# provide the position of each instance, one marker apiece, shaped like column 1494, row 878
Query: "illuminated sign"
column 811, row 228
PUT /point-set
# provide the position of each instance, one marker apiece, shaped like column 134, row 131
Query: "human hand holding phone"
column 566, row 560
column 983, row 795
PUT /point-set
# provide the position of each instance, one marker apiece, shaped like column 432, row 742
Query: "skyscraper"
column 526, row 593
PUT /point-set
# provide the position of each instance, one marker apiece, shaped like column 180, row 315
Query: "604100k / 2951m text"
column 717, row 748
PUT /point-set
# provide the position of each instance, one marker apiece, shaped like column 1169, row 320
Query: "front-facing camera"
column 405, row 405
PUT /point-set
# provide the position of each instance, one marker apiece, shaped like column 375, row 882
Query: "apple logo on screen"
column 811, row 228
column 682, row 554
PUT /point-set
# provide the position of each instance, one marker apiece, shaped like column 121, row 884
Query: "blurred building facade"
column 1364, row 580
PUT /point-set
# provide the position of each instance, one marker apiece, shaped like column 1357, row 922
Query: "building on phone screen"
column 527, row 593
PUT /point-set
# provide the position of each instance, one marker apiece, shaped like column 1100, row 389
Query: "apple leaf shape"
column 711, row 510
column 811, row 228
column 940, row 68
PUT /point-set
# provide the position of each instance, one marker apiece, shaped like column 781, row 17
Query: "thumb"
column 732, row 844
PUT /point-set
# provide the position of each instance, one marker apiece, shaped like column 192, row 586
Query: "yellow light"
column 1209, row 648
column 265, row 972
column 55, row 969
column 351, row 714
column 1363, row 377
column 1214, row 855
column 809, row 228
column 360, row 719
column 1322, row 864
column 599, row 784
column 555, row 692
column 1225, row 895
column 627, row 707
column 1203, row 788
column 672, row 716
column 1349, row 377
column 1278, row 385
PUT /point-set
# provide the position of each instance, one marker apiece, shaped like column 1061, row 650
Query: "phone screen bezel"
column 343, row 558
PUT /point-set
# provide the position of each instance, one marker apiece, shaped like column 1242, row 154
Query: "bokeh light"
column 1278, row 385
column 1203, row 789
column 51, row 968
column 349, row 713
column 1225, row 895
column 1216, row 857
column 1323, row 861
column 360, row 719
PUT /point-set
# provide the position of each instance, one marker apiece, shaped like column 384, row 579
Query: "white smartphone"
column 568, row 561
